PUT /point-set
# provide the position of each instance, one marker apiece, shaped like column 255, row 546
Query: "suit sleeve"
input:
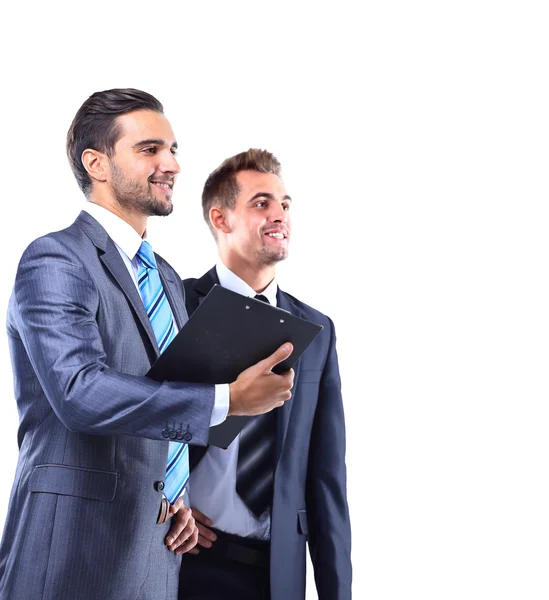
column 55, row 306
column 328, row 513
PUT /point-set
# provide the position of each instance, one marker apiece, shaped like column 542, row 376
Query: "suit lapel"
column 205, row 284
column 113, row 261
column 283, row 413
column 173, row 288
column 110, row 257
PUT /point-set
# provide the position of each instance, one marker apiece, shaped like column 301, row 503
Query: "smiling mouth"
column 277, row 235
column 163, row 185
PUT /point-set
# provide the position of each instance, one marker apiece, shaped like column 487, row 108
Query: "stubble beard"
column 133, row 196
column 267, row 257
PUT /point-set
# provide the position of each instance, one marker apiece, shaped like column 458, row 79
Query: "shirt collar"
column 233, row 282
column 120, row 232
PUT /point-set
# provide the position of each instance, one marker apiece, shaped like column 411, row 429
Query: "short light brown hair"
column 221, row 188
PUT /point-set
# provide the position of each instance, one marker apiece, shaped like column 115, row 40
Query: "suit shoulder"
column 312, row 313
column 67, row 240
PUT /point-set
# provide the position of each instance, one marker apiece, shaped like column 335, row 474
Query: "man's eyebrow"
column 155, row 141
column 269, row 196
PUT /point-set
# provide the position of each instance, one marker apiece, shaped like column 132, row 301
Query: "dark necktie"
column 254, row 471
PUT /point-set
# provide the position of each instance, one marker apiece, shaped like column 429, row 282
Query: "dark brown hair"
column 221, row 187
column 95, row 126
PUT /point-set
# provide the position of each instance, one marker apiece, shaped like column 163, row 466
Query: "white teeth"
column 279, row 236
column 164, row 185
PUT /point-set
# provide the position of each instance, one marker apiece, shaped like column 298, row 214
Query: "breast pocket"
column 66, row 480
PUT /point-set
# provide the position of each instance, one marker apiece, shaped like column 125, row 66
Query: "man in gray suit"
column 87, row 518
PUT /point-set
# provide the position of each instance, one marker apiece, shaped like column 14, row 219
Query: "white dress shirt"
column 213, row 481
column 128, row 242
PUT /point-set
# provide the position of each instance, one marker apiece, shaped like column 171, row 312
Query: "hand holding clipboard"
column 226, row 335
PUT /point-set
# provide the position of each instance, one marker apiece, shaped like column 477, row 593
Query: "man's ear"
column 96, row 164
column 218, row 219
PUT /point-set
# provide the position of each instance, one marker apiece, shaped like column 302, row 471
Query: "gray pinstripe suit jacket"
column 82, row 514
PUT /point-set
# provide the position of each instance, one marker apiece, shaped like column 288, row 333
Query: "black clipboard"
column 224, row 336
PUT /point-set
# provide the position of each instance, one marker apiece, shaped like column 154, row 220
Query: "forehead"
column 253, row 182
column 144, row 125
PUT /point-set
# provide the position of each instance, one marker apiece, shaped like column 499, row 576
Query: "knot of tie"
column 146, row 255
column 262, row 298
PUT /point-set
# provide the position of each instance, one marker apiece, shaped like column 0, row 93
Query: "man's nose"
column 169, row 163
column 278, row 213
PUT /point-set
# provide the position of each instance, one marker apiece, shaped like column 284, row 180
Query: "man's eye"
column 150, row 150
column 286, row 206
column 261, row 203
column 174, row 151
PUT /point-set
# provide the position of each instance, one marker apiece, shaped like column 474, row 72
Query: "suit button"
column 179, row 434
column 173, row 434
column 188, row 437
column 158, row 486
column 166, row 433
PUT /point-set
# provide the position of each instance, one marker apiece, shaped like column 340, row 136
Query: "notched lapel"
column 203, row 285
column 110, row 257
column 174, row 292
column 283, row 413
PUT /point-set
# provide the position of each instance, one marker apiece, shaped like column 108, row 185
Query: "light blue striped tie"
column 161, row 318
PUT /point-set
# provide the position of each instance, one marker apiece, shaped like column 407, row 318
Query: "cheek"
column 249, row 236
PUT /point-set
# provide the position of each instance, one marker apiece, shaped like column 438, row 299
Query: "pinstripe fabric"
column 161, row 318
column 81, row 520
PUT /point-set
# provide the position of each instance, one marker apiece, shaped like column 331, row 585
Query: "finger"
column 189, row 544
column 188, row 531
column 205, row 532
column 186, row 547
column 201, row 517
column 174, row 508
column 205, row 542
column 290, row 376
column 194, row 550
column 189, row 534
column 181, row 519
column 276, row 357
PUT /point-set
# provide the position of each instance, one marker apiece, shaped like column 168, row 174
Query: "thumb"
column 276, row 357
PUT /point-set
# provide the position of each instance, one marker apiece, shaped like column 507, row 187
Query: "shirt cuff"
column 221, row 404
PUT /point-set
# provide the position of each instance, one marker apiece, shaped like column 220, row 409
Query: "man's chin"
column 272, row 258
column 161, row 209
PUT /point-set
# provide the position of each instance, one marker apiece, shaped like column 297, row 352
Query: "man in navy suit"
column 87, row 516
column 282, row 482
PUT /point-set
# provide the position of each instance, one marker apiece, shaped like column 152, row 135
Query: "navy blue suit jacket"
column 310, row 499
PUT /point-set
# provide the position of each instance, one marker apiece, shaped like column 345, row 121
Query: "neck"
column 258, row 278
column 136, row 219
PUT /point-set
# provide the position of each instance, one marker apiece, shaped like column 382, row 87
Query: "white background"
column 414, row 141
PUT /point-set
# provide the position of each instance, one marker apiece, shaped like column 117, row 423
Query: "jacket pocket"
column 302, row 522
column 74, row 481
